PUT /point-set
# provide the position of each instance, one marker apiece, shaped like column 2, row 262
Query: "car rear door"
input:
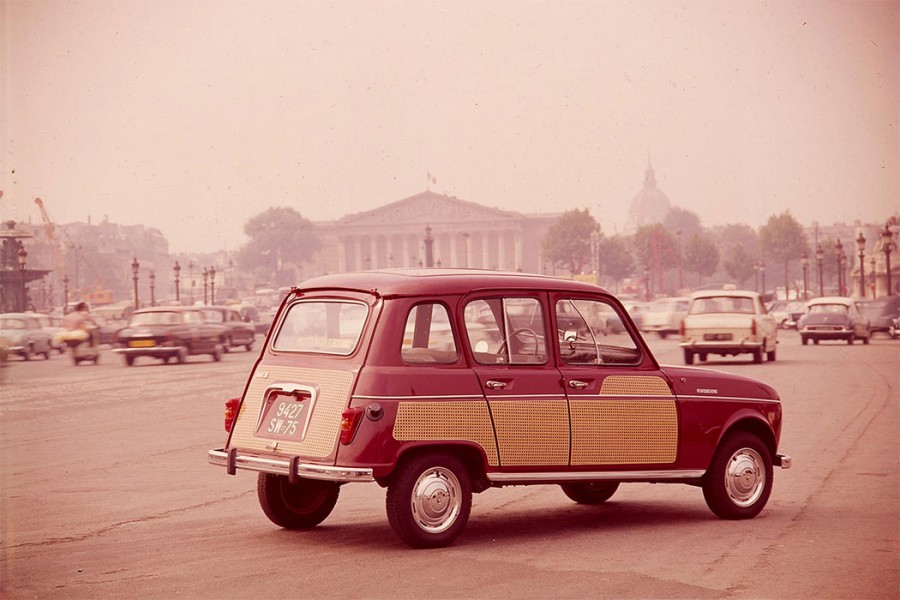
column 510, row 350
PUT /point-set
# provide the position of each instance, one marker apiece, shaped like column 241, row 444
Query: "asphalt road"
column 105, row 493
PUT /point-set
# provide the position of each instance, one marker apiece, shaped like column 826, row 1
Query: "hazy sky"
column 194, row 116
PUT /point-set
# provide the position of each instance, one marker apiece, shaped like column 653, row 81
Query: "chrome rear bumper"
column 782, row 460
column 292, row 467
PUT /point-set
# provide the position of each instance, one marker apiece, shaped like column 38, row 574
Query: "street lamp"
column 429, row 243
column 872, row 277
column 804, row 260
column 595, row 255
column 135, row 267
column 839, row 252
column 152, row 288
column 861, row 246
column 22, row 255
column 756, row 275
column 820, row 256
column 680, row 271
column 762, row 275
column 647, row 282
column 65, row 294
column 191, row 275
column 177, row 270
column 205, row 284
column 212, row 285
column 887, row 239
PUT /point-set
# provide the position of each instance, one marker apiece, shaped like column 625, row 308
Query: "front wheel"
column 739, row 480
column 688, row 357
column 301, row 505
column 429, row 500
column 594, row 492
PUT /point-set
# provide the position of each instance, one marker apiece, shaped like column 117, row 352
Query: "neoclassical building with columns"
column 462, row 234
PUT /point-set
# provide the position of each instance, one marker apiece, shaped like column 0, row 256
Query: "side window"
column 590, row 332
column 428, row 336
column 506, row 331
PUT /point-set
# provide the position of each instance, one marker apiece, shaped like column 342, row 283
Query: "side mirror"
column 570, row 336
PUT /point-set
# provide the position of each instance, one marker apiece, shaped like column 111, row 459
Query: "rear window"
column 326, row 326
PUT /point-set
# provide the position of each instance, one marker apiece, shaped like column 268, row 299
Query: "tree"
column 782, row 239
column 683, row 221
column 567, row 242
column 701, row 256
column 615, row 259
column 739, row 263
column 281, row 239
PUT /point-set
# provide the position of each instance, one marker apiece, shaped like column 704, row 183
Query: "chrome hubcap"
column 436, row 500
column 745, row 477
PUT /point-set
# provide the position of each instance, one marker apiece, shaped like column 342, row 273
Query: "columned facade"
column 464, row 235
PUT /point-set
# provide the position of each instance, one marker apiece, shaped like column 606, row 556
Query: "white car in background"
column 728, row 322
column 664, row 316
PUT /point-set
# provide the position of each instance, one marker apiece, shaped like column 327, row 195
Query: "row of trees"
column 679, row 252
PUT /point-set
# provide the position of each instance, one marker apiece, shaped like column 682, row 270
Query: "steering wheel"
column 517, row 332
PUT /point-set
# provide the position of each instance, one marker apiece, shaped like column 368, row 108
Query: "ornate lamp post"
column 861, row 246
column 647, row 283
column 212, row 285
column 762, row 276
column 177, row 270
column 872, row 276
column 152, row 288
column 135, row 267
column 191, row 275
column 595, row 255
column 65, row 294
column 839, row 257
column 804, row 260
column 820, row 256
column 429, row 243
column 887, row 238
column 205, row 284
column 22, row 255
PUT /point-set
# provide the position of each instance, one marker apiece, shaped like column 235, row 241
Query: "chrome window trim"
column 596, row 476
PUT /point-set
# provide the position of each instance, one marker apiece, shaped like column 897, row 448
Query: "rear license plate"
column 284, row 417
column 141, row 343
column 716, row 337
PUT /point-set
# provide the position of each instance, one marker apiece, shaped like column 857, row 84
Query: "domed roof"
column 650, row 205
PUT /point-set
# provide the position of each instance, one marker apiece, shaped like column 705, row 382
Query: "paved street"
column 105, row 493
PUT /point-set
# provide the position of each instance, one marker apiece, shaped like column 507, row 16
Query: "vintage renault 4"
column 441, row 383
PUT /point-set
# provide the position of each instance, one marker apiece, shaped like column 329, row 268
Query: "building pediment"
column 428, row 208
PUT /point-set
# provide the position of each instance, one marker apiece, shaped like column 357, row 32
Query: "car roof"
column 720, row 293
column 831, row 300
column 434, row 281
column 174, row 308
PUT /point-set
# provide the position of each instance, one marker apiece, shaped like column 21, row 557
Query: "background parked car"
column 665, row 316
column 833, row 318
column 167, row 332
column 240, row 332
column 25, row 335
column 728, row 322
column 881, row 312
column 53, row 324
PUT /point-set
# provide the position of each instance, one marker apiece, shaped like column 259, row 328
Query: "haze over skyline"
column 194, row 117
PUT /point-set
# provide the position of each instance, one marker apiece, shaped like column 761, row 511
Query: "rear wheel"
column 182, row 355
column 217, row 353
column 804, row 340
column 739, row 480
column 757, row 355
column 594, row 492
column 429, row 500
column 770, row 356
column 129, row 360
column 688, row 357
column 300, row 505
column 850, row 339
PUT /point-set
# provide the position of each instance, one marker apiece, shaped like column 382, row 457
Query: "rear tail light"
column 350, row 419
column 231, row 411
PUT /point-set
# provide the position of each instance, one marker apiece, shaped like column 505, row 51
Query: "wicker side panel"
column 532, row 432
column 321, row 436
column 635, row 385
column 457, row 420
column 624, row 432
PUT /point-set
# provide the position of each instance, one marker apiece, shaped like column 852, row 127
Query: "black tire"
column 663, row 334
column 593, row 492
column 757, row 355
column 46, row 354
column 866, row 339
column 226, row 345
column 703, row 357
column 688, row 357
column 770, row 356
column 75, row 360
column 182, row 355
column 850, row 339
column 816, row 341
column 302, row 505
column 129, row 360
column 804, row 340
column 217, row 353
column 250, row 347
column 429, row 500
column 26, row 353
column 739, row 480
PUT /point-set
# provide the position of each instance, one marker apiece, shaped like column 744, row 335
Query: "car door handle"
column 577, row 385
column 495, row 385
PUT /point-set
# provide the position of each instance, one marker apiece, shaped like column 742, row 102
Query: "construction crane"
column 59, row 246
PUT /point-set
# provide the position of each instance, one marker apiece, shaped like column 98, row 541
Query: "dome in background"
column 649, row 206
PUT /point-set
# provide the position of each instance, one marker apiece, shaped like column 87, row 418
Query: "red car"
column 438, row 384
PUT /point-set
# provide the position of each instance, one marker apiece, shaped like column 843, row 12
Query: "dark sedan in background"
column 240, row 331
column 833, row 318
column 881, row 312
column 167, row 332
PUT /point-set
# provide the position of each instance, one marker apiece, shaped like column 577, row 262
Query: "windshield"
column 722, row 304
column 155, row 318
column 820, row 309
column 325, row 326
column 12, row 324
